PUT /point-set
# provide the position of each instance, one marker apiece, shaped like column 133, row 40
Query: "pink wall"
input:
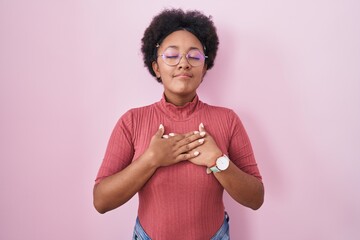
column 290, row 69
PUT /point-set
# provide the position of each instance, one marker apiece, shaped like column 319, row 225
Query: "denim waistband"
column 139, row 232
column 221, row 234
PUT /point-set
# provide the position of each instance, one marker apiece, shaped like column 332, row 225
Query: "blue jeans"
column 221, row 234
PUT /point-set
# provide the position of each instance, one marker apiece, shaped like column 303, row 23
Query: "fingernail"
column 161, row 126
column 201, row 125
column 196, row 153
column 202, row 134
column 171, row 134
column 201, row 140
column 165, row 136
column 196, row 132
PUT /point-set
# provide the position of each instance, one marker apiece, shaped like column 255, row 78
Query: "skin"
column 180, row 84
column 242, row 187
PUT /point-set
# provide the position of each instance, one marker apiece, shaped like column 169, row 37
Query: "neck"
column 179, row 100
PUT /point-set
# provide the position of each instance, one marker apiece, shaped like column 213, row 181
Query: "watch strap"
column 215, row 169
column 212, row 169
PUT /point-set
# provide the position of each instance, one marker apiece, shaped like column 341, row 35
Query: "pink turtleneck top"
column 180, row 201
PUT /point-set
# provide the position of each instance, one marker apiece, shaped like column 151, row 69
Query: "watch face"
column 222, row 163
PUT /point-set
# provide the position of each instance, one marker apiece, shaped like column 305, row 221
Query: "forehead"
column 181, row 39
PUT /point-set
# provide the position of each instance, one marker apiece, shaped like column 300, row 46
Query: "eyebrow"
column 191, row 48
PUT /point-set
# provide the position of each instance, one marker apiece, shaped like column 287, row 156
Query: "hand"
column 166, row 151
column 209, row 151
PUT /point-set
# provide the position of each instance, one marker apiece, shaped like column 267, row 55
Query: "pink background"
column 290, row 69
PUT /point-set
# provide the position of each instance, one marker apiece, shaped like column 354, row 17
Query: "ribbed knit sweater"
column 180, row 201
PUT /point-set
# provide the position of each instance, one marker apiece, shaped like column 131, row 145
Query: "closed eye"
column 172, row 57
column 195, row 58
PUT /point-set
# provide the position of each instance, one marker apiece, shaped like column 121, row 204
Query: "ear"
column 156, row 69
column 204, row 72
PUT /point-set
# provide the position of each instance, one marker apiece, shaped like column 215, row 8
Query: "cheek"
column 200, row 74
column 165, row 70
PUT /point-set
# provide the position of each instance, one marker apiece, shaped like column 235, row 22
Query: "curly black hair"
column 171, row 20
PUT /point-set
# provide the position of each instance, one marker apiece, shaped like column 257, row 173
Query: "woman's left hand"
column 209, row 151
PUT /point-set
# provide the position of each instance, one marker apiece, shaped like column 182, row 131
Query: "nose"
column 184, row 63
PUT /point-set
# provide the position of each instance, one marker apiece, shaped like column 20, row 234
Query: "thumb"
column 160, row 132
column 201, row 127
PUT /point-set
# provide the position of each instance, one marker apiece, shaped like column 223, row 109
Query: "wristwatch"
column 222, row 163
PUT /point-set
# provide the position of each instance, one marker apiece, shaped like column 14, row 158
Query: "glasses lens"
column 171, row 56
column 195, row 57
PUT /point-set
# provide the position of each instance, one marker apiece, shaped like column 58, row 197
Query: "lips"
column 184, row 74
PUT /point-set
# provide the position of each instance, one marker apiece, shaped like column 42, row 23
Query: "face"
column 182, row 80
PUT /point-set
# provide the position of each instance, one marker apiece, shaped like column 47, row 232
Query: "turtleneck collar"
column 180, row 112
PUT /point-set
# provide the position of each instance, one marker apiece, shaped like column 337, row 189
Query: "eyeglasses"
column 172, row 57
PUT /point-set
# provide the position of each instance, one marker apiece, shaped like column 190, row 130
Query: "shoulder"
column 225, row 111
column 136, row 111
column 137, row 115
column 133, row 117
column 223, row 115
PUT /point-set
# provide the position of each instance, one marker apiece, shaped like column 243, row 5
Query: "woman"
column 179, row 154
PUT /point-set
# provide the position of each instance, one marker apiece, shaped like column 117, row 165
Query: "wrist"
column 212, row 162
column 148, row 158
column 221, row 164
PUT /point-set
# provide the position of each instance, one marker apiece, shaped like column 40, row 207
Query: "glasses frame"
column 163, row 56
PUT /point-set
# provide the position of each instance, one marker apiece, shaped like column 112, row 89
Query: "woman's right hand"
column 166, row 151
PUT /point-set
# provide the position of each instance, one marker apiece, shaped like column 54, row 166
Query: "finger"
column 187, row 156
column 186, row 138
column 190, row 134
column 190, row 146
column 159, row 133
column 180, row 137
column 201, row 127
column 190, row 137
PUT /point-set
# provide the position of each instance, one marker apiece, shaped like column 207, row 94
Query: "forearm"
column 242, row 187
column 117, row 189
